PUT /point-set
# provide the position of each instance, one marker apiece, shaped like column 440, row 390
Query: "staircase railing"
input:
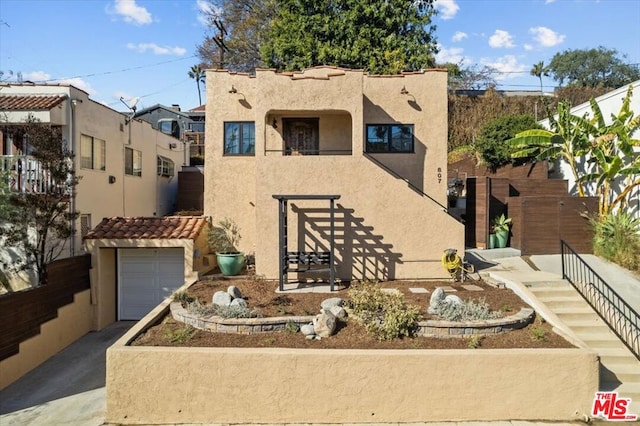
column 622, row 318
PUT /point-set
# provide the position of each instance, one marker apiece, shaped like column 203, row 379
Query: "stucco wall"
column 233, row 385
column 73, row 321
column 395, row 226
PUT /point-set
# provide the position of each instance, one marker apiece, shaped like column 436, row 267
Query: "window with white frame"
column 165, row 166
column 92, row 153
column 132, row 162
column 389, row 138
column 239, row 138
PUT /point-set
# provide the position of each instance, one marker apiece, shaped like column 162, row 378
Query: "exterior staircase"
column 620, row 370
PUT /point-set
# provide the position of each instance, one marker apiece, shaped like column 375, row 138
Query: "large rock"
column 327, row 304
column 338, row 312
column 308, row 330
column 452, row 298
column 221, row 298
column 437, row 297
column 324, row 324
column 234, row 292
column 239, row 302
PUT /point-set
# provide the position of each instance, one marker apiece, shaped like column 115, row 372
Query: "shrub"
column 180, row 335
column 385, row 315
column 617, row 238
column 468, row 310
column 225, row 237
column 491, row 142
column 182, row 296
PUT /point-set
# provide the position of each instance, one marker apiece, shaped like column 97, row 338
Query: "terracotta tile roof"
column 169, row 227
column 199, row 108
column 24, row 103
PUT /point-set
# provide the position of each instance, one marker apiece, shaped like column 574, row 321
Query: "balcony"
column 25, row 174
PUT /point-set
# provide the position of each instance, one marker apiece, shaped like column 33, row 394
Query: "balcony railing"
column 24, row 173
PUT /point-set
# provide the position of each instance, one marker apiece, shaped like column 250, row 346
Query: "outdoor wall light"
column 112, row 179
column 233, row 90
column 274, row 123
column 404, row 91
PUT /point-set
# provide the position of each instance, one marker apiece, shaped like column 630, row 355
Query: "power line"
column 118, row 71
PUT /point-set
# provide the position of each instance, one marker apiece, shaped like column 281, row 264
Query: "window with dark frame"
column 92, row 153
column 239, row 138
column 132, row 162
column 391, row 138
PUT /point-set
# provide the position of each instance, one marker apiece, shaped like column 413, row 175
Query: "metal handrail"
column 621, row 318
column 25, row 174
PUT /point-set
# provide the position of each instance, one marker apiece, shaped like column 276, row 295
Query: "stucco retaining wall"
column 157, row 385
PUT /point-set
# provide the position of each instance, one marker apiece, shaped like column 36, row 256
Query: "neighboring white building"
column 609, row 103
column 126, row 168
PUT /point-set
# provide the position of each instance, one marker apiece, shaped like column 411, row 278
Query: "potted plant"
column 223, row 241
column 501, row 229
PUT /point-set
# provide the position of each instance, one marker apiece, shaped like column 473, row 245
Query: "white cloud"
column 508, row 67
column 549, row 1
column 528, row 46
column 36, row 76
column 131, row 12
column 447, row 8
column 157, row 50
column 459, row 36
column 546, row 37
column 205, row 10
column 79, row 83
column 501, row 39
column 451, row 56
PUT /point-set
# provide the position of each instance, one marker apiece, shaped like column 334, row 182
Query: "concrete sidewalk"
column 67, row 389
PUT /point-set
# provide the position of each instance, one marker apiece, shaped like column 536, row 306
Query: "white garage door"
column 145, row 278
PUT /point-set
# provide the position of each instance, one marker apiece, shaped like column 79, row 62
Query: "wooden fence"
column 190, row 191
column 22, row 313
column 541, row 209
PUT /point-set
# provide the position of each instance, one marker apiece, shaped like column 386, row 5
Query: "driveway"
column 67, row 389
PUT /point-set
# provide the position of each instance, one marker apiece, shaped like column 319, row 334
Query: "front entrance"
column 301, row 136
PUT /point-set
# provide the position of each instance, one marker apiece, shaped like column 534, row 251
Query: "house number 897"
column 439, row 174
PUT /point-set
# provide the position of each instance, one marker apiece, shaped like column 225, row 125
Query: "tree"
column 539, row 70
column 472, row 77
column 40, row 223
column 566, row 140
column 197, row 74
column 592, row 68
column 614, row 154
column 246, row 23
column 380, row 36
column 492, row 143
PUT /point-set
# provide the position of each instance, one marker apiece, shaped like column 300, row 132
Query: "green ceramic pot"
column 230, row 263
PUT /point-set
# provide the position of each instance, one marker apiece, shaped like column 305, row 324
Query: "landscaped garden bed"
column 289, row 308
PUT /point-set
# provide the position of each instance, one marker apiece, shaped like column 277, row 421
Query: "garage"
column 146, row 277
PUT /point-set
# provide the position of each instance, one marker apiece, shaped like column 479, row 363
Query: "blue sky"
column 144, row 48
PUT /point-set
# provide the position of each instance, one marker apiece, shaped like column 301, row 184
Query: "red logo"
column 609, row 406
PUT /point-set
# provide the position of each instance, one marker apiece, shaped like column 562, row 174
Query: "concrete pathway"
column 67, row 389
column 538, row 280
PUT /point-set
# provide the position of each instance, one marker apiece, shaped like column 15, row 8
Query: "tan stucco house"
column 377, row 142
column 126, row 168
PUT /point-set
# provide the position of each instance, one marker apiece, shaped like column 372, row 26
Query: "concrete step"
column 614, row 357
column 552, row 283
column 576, row 314
column 592, row 325
column 626, row 373
column 542, row 292
column 564, row 302
column 598, row 341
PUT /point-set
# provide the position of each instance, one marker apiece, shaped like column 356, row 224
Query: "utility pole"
column 219, row 40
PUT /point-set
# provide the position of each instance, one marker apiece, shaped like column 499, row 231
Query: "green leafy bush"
column 385, row 315
column 468, row 310
column 616, row 237
column 491, row 142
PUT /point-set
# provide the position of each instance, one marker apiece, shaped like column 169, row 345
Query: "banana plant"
column 568, row 139
column 615, row 155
